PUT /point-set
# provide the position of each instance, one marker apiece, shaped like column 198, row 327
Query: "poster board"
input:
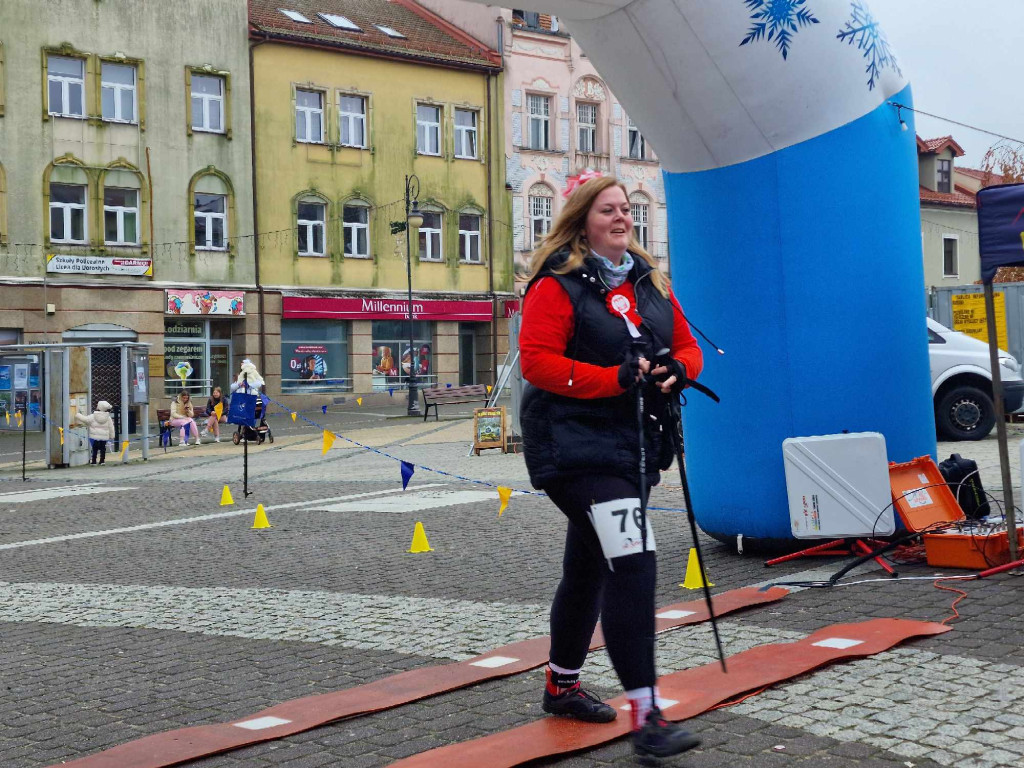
column 969, row 316
column 488, row 429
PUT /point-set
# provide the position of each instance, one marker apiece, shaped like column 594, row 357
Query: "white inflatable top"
column 718, row 82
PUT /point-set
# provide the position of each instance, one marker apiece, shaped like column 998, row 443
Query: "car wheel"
column 965, row 413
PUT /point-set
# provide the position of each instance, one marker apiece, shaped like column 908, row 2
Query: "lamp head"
column 415, row 216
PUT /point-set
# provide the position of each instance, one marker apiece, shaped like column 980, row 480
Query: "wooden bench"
column 163, row 420
column 435, row 396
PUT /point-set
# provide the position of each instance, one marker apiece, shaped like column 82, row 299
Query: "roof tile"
column 954, row 199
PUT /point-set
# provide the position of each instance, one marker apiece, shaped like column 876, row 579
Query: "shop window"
column 314, row 356
column 120, row 216
column 469, row 238
column 352, row 120
column 67, row 214
column 393, row 357
column 118, row 92
column 465, row 134
column 356, row 223
column 312, row 218
column 430, row 237
column 65, row 78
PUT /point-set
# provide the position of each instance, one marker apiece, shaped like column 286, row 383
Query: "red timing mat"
column 185, row 744
column 693, row 690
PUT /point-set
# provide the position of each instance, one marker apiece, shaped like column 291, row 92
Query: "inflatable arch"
column 794, row 223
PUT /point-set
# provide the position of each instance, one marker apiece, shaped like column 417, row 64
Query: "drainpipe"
column 255, row 208
column 490, row 233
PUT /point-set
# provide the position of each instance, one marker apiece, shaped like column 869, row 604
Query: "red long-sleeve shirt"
column 548, row 324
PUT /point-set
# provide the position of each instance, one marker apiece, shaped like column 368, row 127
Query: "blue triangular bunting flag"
column 324, row 409
column 449, row 386
column 391, row 391
column 188, row 430
column 407, row 470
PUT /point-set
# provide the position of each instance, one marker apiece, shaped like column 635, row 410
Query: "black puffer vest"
column 567, row 436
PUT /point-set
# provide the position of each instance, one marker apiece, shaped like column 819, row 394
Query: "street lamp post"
column 413, row 218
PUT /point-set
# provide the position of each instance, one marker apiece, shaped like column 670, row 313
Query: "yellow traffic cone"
column 261, row 519
column 694, row 579
column 419, row 540
column 225, row 497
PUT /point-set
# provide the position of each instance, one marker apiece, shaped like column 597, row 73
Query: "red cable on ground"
column 956, row 614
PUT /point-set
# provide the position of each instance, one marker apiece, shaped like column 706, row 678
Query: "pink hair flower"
column 579, row 180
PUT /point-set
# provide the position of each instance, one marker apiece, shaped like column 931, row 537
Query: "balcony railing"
column 596, row 161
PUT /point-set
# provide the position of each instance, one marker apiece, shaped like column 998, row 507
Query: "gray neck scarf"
column 614, row 276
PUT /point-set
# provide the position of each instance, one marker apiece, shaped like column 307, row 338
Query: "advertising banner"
column 182, row 302
column 98, row 265
column 1000, row 228
column 969, row 316
column 333, row 308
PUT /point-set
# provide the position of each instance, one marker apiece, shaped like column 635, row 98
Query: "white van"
column 962, row 383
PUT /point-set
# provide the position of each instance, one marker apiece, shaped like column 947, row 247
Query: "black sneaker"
column 661, row 738
column 578, row 704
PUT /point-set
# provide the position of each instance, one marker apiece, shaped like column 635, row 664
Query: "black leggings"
column 100, row 447
column 624, row 597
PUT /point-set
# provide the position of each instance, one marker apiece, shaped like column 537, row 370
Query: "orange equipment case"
column 964, row 549
column 920, row 494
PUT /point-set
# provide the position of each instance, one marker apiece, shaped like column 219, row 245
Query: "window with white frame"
column 428, row 129
column 118, row 92
column 67, row 213
column 352, row 120
column 640, row 212
column 430, row 237
column 950, row 256
column 309, row 116
column 66, row 86
column 539, row 201
column 586, row 127
column 356, row 222
column 211, row 222
column 207, row 103
column 469, row 237
column 539, row 110
column 120, row 216
column 465, row 133
column 312, row 218
column 637, row 144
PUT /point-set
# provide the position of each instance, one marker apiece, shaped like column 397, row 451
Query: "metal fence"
column 970, row 314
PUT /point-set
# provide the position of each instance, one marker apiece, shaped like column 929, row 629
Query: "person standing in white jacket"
column 101, row 429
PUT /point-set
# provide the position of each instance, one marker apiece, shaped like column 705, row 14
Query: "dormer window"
column 943, row 175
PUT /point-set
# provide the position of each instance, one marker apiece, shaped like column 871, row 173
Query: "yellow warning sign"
column 969, row 316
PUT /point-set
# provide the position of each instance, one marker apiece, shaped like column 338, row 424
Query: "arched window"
column 431, row 239
column 124, row 199
column 311, row 214
column 67, row 195
column 640, row 207
column 539, row 202
column 355, row 223
column 212, row 203
column 470, row 236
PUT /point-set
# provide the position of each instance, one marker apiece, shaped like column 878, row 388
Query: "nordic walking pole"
column 676, row 433
column 638, row 387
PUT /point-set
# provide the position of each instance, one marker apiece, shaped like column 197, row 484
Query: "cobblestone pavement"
column 131, row 602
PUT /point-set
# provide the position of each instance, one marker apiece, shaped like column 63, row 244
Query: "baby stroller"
column 258, row 433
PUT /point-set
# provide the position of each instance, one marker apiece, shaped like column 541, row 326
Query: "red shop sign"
column 333, row 308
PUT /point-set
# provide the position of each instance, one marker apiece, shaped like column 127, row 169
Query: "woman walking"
column 595, row 315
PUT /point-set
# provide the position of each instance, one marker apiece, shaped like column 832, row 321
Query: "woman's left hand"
column 665, row 385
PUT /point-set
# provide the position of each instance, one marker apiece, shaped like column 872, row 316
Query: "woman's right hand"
column 631, row 370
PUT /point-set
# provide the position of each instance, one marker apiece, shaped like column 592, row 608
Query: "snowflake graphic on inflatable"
column 777, row 20
column 862, row 30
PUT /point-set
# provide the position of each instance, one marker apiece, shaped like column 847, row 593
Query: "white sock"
column 641, row 701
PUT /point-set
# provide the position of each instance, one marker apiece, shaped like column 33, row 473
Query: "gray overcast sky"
column 964, row 61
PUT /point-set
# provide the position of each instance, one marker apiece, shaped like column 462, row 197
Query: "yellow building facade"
column 339, row 127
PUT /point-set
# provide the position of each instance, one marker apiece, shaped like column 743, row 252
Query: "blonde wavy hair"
column 567, row 234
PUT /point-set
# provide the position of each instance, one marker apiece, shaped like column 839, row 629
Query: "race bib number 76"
column 617, row 523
